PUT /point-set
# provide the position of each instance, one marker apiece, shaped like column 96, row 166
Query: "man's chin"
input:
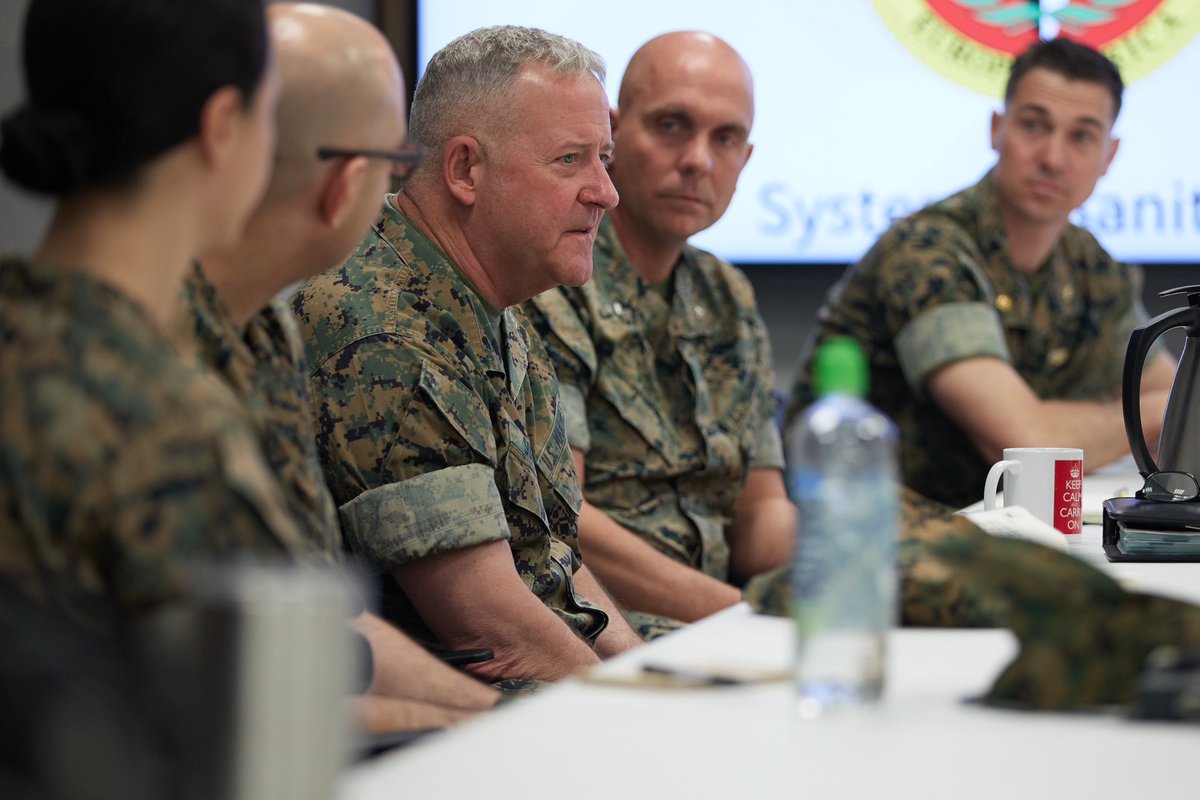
column 683, row 226
column 1046, row 213
column 575, row 274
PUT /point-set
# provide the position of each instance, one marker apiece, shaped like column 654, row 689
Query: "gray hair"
column 477, row 72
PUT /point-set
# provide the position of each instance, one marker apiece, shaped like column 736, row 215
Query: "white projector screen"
column 854, row 127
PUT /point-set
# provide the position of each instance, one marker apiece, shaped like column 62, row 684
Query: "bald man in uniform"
column 341, row 141
column 663, row 359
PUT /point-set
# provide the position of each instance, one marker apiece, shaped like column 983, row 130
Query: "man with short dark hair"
column 991, row 321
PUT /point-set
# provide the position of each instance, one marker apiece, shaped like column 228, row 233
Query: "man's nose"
column 697, row 155
column 1054, row 152
column 599, row 191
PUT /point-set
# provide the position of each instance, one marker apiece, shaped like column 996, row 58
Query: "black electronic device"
column 1179, row 442
column 1162, row 523
column 1137, row 529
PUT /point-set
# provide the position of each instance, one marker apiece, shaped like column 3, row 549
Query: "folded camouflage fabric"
column 930, row 595
column 1083, row 638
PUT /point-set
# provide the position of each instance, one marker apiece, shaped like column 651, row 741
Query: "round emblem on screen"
column 973, row 42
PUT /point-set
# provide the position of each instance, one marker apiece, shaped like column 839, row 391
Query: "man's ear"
column 218, row 124
column 1114, row 145
column 613, row 116
column 997, row 124
column 462, row 168
column 340, row 189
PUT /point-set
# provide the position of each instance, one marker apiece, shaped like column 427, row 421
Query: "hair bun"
column 48, row 152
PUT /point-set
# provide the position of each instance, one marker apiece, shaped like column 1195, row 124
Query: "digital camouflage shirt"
column 670, row 398
column 939, row 287
column 120, row 465
column 436, row 433
column 264, row 365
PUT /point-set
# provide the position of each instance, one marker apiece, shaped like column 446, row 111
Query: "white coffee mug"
column 1046, row 481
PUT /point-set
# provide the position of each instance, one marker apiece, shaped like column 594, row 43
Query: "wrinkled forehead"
column 546, row 104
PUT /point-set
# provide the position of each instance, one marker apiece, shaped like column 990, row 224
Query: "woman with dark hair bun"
column 152, row 124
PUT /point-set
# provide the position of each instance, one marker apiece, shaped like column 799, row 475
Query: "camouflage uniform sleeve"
column 409, row 444
column 938, row 301
column 767, row 450
column 573, row 355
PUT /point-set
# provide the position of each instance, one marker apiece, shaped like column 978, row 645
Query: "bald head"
column 690, row 56
column 340, row 83
column 681, row 135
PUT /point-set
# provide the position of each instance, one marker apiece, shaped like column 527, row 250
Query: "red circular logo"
column 1010, row 26
column 973, row 42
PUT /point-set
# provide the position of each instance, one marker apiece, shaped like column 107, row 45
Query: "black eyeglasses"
column 1170, row 487
column 404, row 160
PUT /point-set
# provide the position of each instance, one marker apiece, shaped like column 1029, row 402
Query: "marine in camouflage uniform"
column 1083, row 639
column 669, row 396
column 120, row 465
column 438, row 421
column 938, row 287
column 264, row 364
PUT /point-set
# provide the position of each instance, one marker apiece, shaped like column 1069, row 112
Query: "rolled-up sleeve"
column 945, row 334
column 411, row 444
column 767, row 452
column 449, row 509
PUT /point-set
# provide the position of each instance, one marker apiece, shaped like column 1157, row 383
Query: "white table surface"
column 587, row 739
column 579, row 740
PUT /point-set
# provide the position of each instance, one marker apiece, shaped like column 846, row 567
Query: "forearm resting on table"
column 990, row 401
column 375, row 714
column 473, row 598
column 401, row 668
column 641, row 578
column 617, row 636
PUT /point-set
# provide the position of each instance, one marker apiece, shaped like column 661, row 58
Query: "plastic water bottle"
column 842, row 475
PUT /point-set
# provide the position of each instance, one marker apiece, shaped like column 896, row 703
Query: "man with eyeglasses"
column 340, row 85
column 439, row 422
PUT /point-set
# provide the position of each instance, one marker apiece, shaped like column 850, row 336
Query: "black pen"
column 691, row 677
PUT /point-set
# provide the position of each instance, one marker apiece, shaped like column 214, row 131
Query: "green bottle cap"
column 841, row 368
